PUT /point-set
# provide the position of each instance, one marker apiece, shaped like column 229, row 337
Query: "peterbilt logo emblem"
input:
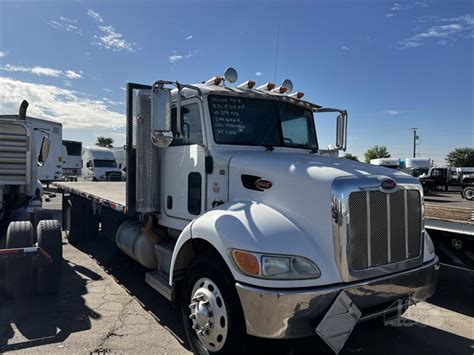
column 388, row 184
column 263, row 184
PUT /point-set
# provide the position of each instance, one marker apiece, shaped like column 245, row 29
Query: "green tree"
column 376, row 152
column 106, row 142
column 461, row 157
column 349, row 156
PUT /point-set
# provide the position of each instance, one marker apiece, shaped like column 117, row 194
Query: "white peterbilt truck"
column 248, row 224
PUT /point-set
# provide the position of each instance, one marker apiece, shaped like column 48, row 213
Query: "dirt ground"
column 105, row 306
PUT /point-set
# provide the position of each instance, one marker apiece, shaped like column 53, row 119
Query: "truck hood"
column 301, row 191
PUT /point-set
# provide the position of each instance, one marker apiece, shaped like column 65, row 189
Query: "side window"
column 190, row 123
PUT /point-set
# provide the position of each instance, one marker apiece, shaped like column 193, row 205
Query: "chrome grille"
column 14, row 148
column 384, row 228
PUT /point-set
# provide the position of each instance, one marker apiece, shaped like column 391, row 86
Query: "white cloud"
column 445, row 31
column 110, row 39
column 189, row 37
column 345, row 48
column 391, row 112
column 71, row 74
column 95, row 15
column 107, row 90
column 390, row 15
column 67, row 24
column 73, row 109
column 177, row 57
column 3, row 54
column 259, row 73
column 42, row 71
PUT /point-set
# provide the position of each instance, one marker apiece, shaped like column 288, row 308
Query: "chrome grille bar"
column 405, row 207
column 389, row 250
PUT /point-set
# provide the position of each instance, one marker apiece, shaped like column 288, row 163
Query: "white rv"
column 99, row 164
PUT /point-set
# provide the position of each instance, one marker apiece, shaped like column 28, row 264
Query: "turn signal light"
column 247, row 262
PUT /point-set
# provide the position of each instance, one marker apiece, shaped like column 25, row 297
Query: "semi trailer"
column 30, row 240
column 72, row 160
column 247, row 224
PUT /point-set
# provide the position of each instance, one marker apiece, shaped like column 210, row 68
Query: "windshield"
column 263, row 122
column 102, row 163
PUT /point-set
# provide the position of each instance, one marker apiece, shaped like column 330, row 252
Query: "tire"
column 36, row 218
column 209, row 281
column 19, row 272
column 74, row 220
column 50, row 240
column 468, row 193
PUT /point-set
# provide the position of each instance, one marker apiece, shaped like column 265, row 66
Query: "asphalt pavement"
column 104, row 306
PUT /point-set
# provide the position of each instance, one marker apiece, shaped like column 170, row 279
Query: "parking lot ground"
column 105, row 306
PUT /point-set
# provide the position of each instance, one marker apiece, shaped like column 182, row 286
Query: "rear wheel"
column 50, row 240
column 19, row 272
column 36, row 218
column 211, row 311
column 468, row 193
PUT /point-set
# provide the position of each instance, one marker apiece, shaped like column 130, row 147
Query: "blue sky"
column 392, row 65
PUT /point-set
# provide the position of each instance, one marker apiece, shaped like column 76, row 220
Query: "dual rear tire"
column 27, row 274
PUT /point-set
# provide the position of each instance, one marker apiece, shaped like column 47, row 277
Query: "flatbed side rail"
column 97, row 199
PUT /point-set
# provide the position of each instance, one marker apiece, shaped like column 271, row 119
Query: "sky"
column 393, row 65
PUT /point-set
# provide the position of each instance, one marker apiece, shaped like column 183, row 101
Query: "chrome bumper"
column 290, row 313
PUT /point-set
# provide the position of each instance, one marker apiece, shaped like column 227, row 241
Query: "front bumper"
column 290, row 313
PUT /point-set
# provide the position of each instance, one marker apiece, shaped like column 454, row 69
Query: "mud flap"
column 338, row 322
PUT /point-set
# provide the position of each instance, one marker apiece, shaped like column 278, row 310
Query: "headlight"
column 278, row 267
column 430, row 244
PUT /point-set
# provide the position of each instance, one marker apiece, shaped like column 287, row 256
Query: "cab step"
column 159, row 281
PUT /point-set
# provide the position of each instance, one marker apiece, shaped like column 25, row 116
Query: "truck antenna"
column 276, row 54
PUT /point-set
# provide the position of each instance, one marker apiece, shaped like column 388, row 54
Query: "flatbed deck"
column 448, row 211
column 110, row 193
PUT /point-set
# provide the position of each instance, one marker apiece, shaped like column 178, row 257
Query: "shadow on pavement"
column 38, row 320
column 131, row 275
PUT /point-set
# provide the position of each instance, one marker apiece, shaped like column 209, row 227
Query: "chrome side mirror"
column 341, row 130
column 161, row 135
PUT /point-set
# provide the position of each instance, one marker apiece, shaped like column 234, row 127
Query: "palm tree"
column 106, row 142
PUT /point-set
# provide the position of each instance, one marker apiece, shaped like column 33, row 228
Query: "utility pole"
column 415, row 138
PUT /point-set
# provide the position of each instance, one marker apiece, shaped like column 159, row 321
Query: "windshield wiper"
column 313, row 150
column 268, row 147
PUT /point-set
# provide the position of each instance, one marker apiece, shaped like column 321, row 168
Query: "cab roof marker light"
column 249, row 84
column 215, row 80
column 266, row 87
column 280, row 90
column 297, row 95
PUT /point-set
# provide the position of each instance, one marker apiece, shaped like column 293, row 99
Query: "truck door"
column 184, row 166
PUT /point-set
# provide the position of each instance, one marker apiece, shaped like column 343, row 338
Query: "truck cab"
column 436, row 177
column 247, row 223
column 99, row 164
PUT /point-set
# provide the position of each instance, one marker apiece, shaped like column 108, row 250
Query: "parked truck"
column 245, row 223
column 72, row 160
column 99, row 164
column 30, row 240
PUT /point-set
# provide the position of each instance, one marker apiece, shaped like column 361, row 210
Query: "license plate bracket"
column 338, row 322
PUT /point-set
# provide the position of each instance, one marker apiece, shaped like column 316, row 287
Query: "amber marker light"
column 247, row 262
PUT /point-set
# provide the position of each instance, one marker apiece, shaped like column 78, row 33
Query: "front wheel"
column 212, row 315
column 468, row 193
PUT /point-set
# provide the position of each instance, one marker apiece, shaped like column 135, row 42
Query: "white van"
column 99, row 164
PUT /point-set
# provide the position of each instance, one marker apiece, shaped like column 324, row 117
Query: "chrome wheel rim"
column 68, row 220
column 469, row 193
column 209, row 314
